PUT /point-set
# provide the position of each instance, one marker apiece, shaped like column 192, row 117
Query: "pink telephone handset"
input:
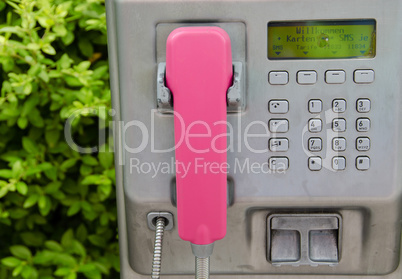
column 198, row 73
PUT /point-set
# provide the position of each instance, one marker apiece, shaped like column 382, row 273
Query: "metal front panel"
column 368, row 201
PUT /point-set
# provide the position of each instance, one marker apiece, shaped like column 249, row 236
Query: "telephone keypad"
column 315, row 125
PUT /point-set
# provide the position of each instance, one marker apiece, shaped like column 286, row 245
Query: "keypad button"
column 362, row 163
column 339, row 125
column 339, row 144
column 278, row 78
column 364, row 76
column 363, row 124
column 278, row 163
column 315, row 163
column 315, row 106
column 278, row 144
column 363, row 144
column 306, row 77
column 278, row 125
column 315, row 125
column 339, row 163
column 335, row 77
column 363, row 105
column 278, row 106
column 314, row 144
column 339, row 105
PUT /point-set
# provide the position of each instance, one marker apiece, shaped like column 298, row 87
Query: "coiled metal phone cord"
column 157, row 258
column 201, row 268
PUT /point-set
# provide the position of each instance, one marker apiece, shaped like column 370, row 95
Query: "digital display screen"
column 322, row 39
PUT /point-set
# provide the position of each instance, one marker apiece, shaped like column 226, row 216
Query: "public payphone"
column 266, row 131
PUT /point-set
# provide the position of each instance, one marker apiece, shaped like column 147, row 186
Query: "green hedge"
column 57, row 206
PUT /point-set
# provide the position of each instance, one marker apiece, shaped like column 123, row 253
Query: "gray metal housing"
column 369, row 202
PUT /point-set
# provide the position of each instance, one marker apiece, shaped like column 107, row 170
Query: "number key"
column 363, row 124
column 363, row 105
column 363, row 144
column 315, row 125
column 339, row 125
column 339, row 105
column 314, row 144
column 315, row 106
column 339, row 163
column 339, row 144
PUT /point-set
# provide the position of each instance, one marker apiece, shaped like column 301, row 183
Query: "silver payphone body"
column 314, row 176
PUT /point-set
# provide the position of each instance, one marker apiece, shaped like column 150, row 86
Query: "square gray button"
column 285, row 246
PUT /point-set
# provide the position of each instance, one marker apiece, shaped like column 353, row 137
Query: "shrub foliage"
column 57, row 205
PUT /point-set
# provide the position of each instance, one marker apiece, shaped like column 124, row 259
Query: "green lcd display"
column 322, row 39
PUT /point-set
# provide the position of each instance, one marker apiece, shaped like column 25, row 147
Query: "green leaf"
column 3, row 191
column 21, row 252
column 60, row 30
column 22, row 122
column 17, row 270
column 35, row 239
column 85, row 47
column 106, row 159
column 31, row 201
column 68, row 39
column 44, row 257
column 48, row 49
column 89, row 160
column 17, row 169
column 52, row 137
column 62, row 271
column 67, row 239
column 18, row 213
column 11, row 262
column 92, row 179
column 6, row 173
column 85, row 170
column 54, row 246
column 27, row 271
column 29, row 145
column 44, row 204
column 68, row 164
column 97, row 240
column 74, row 208
column 35, row 118
column 22, row 188
column 104, row 190
column 65, row 61
column 29, row 104
column 82, row 233
column 78, row 248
